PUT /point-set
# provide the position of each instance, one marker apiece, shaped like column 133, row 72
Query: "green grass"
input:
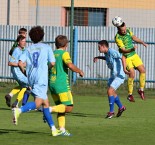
column 136, row 126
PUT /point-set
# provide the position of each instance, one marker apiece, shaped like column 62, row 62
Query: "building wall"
column 133, row 17
column 52, row 12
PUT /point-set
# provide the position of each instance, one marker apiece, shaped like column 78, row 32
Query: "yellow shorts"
column 63, row 98
column 133, row 61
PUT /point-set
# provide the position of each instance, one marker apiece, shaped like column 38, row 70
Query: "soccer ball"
column 117, row 21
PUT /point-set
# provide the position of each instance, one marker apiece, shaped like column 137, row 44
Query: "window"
column 87, row 16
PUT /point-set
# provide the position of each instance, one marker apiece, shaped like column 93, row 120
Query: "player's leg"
column 49, row 118
column 26, row 97
column 131, row 77
column 111, row 99
column 65, row 104
column 131, row 84
column 27, row 107
column 140, row 67
column 11, row 94
column 19, row 97
column 116, row 84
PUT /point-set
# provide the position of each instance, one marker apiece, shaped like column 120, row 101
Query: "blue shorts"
column 115, row 82
column 39, row 91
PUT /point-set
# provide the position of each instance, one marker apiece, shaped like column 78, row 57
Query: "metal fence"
column 87, row 38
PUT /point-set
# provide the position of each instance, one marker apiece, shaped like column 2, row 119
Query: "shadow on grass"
column 86, row 115
column 5, row 109
column 5, row 131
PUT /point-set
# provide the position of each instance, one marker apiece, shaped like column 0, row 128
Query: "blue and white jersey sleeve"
column 15, row 55
column 51, row 57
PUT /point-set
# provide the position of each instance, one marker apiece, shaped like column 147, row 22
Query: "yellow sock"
column 21, row 94
column 61, row 120
column 15, row 90
column 130, row 85
column 142, row 80
column 59, row 108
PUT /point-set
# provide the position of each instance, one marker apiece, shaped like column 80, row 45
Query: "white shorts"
column 115, row 82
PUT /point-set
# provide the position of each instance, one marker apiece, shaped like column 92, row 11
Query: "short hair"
column 103, row 42
column 22, row 30
column 123, row 24
column 36, row 34
column 61, row 41
column 20, row 37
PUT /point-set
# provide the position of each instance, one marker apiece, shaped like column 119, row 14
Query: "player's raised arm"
column 136, row 39
column 98, row 57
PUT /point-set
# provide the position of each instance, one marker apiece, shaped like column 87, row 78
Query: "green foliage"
column 87, row 123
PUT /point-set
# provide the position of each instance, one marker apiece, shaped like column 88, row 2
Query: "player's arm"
column 98, row 57
column 72, row 67
column 136, row 39
column 51, row 58
column 67, row 60
column 51, row 64
column 22, row 67
column 121, row 46
column 124, row 65
column 13, row 64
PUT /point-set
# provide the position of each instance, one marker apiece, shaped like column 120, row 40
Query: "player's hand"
column 126, row 72
column 81, row 73
column 95, row 59
column 145, row 44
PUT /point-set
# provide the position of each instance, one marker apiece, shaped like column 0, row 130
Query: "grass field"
column 87, row 122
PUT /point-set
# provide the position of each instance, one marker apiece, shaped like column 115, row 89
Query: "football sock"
column 15, row 91
column 61, row 120
column 118, row 102
column 21, row 94
column 25, row 98
column 28, row 106
column 111, row 103
column 59, row 108
column 48, row 117
column 142, row 81
column 130, row 85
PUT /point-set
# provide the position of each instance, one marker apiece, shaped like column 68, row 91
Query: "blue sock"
column 28, row 106
column 25, row 98
column 48, row 117
column 111, row 103
column 118, row 102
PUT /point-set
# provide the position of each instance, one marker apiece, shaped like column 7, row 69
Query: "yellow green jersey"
column 58, row 75
column 125, row 41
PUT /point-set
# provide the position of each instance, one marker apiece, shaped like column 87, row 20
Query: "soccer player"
column 23, row 32
column 17, row 74
column 59, row 83
column 36, row 58
column 114, row 63
column 124, row 40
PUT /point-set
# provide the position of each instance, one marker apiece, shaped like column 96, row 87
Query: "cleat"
column 56, row 132
column 66, row 133
column 8, row 100
column 15, row 104
column 110, row 115
column 120, row 111
column 141, row 93
column 16, row 114
column 131, row 98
